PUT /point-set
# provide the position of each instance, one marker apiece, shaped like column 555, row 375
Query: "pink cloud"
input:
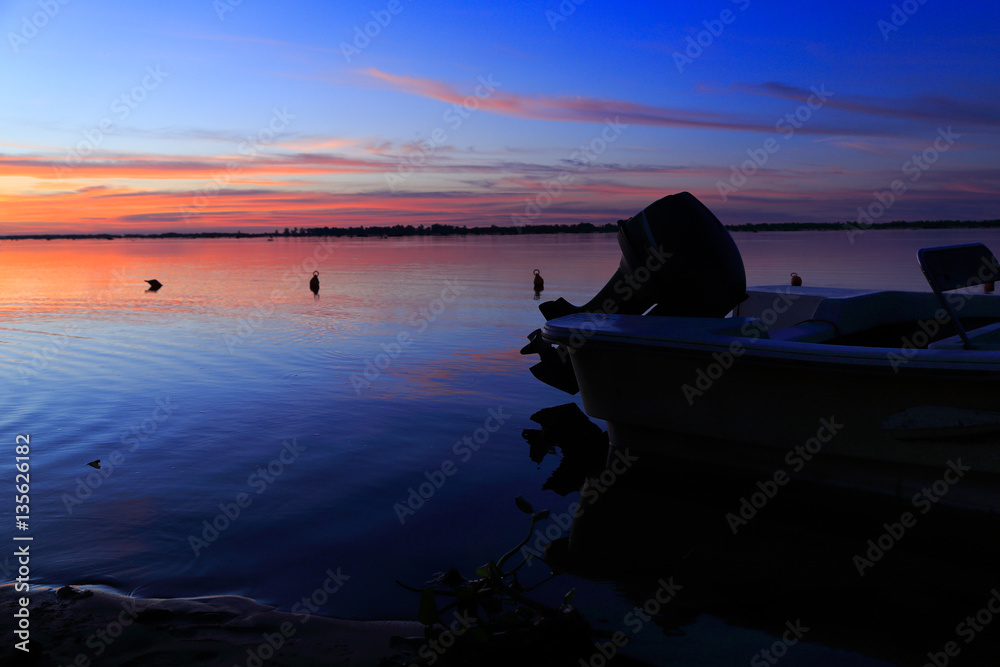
column 566, row 108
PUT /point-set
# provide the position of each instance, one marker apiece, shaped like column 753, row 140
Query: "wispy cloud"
column 939, row 109
column 572, row 109
column 180, row 168
column 598, row 110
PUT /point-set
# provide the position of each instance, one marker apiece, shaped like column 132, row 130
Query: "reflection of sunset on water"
column 408, row 345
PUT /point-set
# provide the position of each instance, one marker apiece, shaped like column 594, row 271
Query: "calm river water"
column 233, row 388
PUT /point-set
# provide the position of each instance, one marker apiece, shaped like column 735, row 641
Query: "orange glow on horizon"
column 157, row 193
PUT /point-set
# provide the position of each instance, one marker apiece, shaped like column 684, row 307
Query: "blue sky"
column 210, row 115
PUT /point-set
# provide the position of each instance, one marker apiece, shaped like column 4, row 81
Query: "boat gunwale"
column 700, row 339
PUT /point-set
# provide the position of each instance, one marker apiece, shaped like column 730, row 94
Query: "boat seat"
column 865, row 311
column 952, row 267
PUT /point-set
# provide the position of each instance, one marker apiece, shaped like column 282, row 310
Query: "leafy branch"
column 513, row 621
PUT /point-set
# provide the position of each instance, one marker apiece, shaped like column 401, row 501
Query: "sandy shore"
column 83, row 627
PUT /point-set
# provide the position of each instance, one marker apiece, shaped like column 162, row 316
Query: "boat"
column 883, row 390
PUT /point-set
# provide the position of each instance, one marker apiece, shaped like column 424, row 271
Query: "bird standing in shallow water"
column 314, row 282
column 539, row 281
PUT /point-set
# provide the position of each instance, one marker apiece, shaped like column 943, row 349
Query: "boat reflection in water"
column 901, row 579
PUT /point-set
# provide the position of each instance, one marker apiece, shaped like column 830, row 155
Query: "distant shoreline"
column 399, row 231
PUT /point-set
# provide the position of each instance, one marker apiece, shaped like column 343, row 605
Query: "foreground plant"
column 490, row 619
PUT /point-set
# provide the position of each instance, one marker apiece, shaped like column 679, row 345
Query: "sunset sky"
column 248, row 115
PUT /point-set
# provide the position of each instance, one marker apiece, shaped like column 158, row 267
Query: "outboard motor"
column 677, row 259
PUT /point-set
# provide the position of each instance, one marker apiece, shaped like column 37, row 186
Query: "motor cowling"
column 677, row 259
column 694, row 266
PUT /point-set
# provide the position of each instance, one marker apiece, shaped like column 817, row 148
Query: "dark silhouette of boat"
column 676, row 343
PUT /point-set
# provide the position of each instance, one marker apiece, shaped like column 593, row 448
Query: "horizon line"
column 437, row 229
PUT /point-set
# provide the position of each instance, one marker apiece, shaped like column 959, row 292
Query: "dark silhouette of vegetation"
column 841, row 226
column 396, row 231
column 489, row 620
column 377, row 232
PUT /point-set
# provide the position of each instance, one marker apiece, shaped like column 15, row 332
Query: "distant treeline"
column 840, row 226
column 449, row 230
column 378, row 232
column 496, row 230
